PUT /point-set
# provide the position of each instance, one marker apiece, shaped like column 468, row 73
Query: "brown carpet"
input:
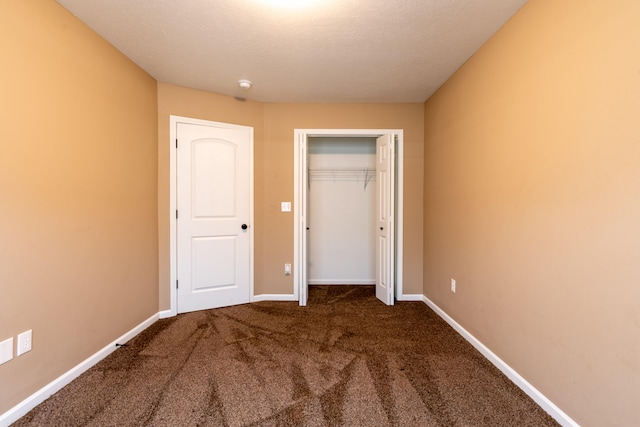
column 344, row 360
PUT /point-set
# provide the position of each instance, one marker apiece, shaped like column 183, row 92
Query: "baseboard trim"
column 21, row 409
column 410, row 297
column 274, row 297
column 558, row 414
column 341, row 281
column 166, row 313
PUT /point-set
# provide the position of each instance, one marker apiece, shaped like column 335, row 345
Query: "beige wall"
column 78, row 166
column 274, row 126
column 532, row 202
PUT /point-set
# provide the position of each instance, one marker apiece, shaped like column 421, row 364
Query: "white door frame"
column 300, row 192
column 173, row 206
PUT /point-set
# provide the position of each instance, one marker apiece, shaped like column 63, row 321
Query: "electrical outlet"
column 24, row 343
column 453, row 285
column 6, row 350
column 287, row 269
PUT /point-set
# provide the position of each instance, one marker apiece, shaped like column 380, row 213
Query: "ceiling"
column 312, row 51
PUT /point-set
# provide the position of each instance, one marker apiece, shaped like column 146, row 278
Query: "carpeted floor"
column 344, row 360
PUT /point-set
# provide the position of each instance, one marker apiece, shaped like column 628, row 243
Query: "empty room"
column 327, row 212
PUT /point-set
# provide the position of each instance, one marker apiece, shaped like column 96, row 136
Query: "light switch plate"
column 285, row 206
column 6, row 350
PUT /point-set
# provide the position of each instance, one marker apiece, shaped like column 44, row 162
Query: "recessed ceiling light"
column 244, row 84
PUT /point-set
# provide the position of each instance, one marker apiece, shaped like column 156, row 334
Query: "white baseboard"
column 542, row 401
column 341, row 281
column 410, row 297
column 166, row 313
column 18, row 411
column 274, row 297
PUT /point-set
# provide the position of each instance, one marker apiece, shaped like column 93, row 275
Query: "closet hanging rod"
column 366, row 174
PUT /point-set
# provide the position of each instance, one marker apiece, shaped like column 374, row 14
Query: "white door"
column 384, row 219
column 214, row 234
column 303, row 205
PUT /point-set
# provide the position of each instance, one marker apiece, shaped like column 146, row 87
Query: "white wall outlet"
column 453, row 285
column 24, row 343
column 287, row 269
column 285, row 206
column 6, row 350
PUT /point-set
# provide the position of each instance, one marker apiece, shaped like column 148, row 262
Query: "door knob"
column 381, row 228
column 245, row 226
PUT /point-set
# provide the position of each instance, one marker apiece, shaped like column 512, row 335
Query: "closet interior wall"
column 341, row 210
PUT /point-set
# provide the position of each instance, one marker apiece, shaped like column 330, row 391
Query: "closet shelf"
column 362, row 174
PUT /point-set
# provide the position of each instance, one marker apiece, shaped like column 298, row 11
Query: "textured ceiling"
column 327, row 51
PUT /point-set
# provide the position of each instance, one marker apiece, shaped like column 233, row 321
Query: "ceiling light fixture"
column 244, row 84
column 290, row 3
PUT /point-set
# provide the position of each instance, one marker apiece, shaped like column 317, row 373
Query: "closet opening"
column 341, row 203
column 348, row 193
